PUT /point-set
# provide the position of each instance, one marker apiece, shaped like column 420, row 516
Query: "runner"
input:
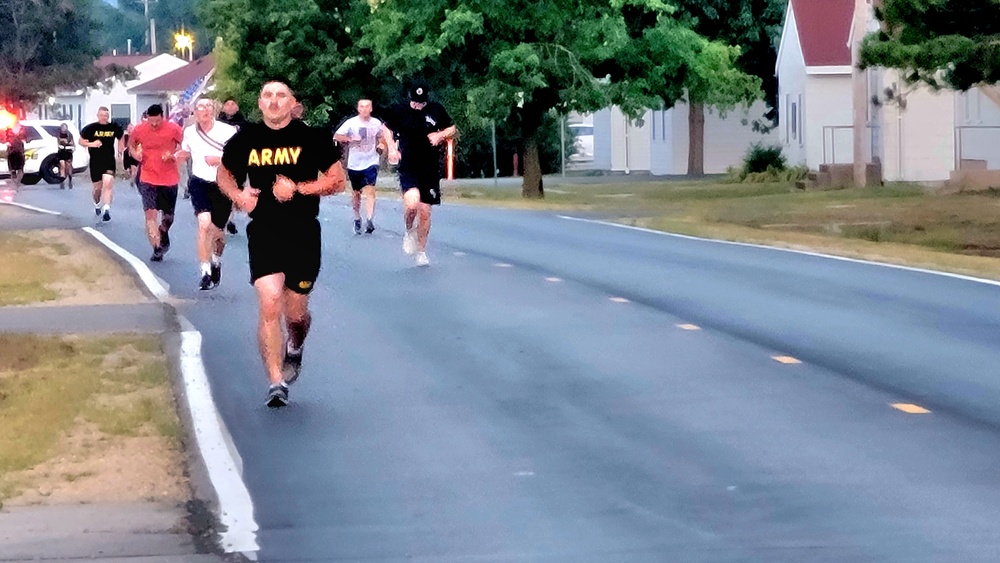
column 282, row 158
column 65, row 155
column 155, row 144
column 15, row 155
column 421, row 126
column 100, row 138
column 362, row 134
column 231, row 115
column 203, row 143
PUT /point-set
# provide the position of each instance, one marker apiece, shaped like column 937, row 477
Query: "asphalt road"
column 532, row 397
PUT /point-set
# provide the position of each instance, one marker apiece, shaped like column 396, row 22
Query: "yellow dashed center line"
column 785, row 360
column 910, row 408
column 619, row 299
column 688, row 327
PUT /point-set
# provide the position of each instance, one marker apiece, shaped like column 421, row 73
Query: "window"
column 121, row 114
column 802, row 137
column 51, row 130
column 31, row 134
column 794, row 115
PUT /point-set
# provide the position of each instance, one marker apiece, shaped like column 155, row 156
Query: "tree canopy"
column 942, row 43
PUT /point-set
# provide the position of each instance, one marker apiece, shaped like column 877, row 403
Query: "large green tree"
column 942, row 43
column 509, row 61
column 44, row 45
column 752, row 27
column 309, row 43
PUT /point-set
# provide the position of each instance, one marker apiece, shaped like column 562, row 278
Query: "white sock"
column 206, row 269
column 216, row 259
column 107, row 207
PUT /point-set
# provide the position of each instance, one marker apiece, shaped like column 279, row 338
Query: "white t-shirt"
column 196, row 143
column 364, row 140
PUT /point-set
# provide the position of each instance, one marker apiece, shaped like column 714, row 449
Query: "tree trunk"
column 696, row 139
column 531, row 187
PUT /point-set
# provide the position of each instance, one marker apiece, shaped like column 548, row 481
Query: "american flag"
column 182, row 108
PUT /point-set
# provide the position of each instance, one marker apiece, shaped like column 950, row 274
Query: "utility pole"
column 860, row 89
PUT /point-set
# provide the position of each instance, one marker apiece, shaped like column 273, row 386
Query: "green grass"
column 26, row 272
column 48, row 385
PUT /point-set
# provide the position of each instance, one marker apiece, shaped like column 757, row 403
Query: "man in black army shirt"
column 289, row 166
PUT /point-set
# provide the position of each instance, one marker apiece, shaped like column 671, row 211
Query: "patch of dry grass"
column 51, row 385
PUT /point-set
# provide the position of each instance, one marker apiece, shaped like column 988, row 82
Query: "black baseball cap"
column 418, row 94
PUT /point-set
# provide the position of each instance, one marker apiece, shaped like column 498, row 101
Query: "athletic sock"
column 206, row 269
column 216, row 259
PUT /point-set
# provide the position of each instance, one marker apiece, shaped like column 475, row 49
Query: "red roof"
column 122, row 60
column 824, row 29
column 177, row 80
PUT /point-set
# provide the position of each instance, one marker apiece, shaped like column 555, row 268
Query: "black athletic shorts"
column 101, row 166
column 285, row 247
column 160, row 198
column 206, row 197
column 429, row 184
column 64, row 154
column 363, row 178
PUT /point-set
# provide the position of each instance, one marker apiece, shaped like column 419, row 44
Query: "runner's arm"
column 333, row 181
column 245, row 199
column 446, row 133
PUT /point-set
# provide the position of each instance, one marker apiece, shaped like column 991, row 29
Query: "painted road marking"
column 502, row 265
column 785, row 360
column 618, row 299
column 910, row 408
column 553, row 280
column 458, row 253
column 688, row 327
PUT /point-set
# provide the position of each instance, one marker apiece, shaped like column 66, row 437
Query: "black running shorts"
column 160, row 198
column 101, row 166
column 206, row 197
column 363, row 178
column 289, row 248
column 429, row 184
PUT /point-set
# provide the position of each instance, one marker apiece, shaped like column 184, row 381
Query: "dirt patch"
column 95, row 467
column 87, row 419
column 85, row 273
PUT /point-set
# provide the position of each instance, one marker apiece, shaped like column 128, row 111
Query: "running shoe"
column 410, row 242
column 216, row 274
column 370, row 227
column 277, row 396
column 357, row 226
column 206, row 282
column 231, row 227
column 97, row 211
column 422, row 259
column 157, row 255
column 292, row 366
column 107, row 215
column 164, row 241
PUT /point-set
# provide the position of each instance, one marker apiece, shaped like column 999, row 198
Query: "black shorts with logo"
column 429, row 184
column 206, row 197
column 285, row 247
column 101, row 166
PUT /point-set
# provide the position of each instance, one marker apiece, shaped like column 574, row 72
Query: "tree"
column 45, row 45
column 308, row 43
column 942, row 43
column 117, row 26
column 509, row 61
column 752, row 27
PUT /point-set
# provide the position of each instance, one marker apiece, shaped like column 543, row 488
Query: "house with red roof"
column 80, row 106
column 912, row 132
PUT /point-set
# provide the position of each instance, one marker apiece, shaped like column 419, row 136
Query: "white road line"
column 31, row 207
column 235, row 504
column 791, row 250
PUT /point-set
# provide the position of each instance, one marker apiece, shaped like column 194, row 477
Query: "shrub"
column 761, row 158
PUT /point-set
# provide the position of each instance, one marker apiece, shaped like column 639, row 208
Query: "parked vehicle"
column 583, row 135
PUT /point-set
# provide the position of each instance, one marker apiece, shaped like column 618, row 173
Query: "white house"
column 926, row 138
column 80, row 107
column 658, row 142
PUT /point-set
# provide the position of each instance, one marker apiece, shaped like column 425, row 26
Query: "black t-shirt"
column 65, row 141
column 412, row 126
column 236, row 120
column 297, row 151
column 106, row 133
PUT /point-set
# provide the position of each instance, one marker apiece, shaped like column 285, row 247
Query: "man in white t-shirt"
column 362, row 134
column 203, row 143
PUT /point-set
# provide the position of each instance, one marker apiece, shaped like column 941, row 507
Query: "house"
column 176, row 87
column 658, row 142
column 913, row 133
column 80, row 107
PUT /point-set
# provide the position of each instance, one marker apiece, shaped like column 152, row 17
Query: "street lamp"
column 182, row 41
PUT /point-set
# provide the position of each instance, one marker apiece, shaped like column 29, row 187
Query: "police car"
column 41, row 146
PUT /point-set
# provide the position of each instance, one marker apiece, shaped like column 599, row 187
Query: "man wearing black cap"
column 422, row 127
